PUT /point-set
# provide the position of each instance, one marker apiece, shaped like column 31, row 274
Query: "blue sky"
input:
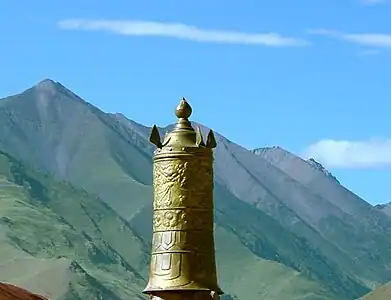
column 313, row 76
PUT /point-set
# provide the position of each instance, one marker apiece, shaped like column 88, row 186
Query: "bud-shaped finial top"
column 183, row 110
column 183, row 136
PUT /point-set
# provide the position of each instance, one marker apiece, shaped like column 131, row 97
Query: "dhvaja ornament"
column 183, row 263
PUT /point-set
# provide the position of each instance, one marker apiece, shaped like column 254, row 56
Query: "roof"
column 11, row 292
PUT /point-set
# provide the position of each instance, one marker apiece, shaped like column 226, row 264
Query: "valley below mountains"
column 76, row 211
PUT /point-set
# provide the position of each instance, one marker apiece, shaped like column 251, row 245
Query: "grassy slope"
column 355, row 227
column 358, row 244
column 82, row 254
column 43, row 220
column 266, row 238
column 250, row 277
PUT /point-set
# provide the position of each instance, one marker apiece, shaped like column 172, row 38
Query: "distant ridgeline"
column 76, row 211
column 275, row 154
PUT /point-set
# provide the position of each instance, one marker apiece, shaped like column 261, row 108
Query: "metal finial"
column 183, row 110
column 183, row 264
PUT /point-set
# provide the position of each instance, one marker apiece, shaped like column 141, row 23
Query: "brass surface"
column 183, row 263
column 204, row 295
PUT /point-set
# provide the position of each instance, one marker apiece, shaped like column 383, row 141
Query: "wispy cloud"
column 369, row 52
column 351, row 154
column 181, row 31
column 381, row 40
column 372, row 2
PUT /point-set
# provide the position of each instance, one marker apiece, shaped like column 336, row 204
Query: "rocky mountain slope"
column 385, row 208
column 276, row 155
column 285, row 229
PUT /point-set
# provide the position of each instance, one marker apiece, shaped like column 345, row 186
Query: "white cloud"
column 181, row 31
column 351, row 154
column 369, row 52
column 372, row 2
column 381, row 40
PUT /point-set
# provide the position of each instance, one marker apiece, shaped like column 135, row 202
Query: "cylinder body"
column 183, row 243
column 183, row 263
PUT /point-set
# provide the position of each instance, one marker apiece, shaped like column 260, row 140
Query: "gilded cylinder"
column 183, row 252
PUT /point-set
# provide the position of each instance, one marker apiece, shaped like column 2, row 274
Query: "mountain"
column 349, row 232
column 285, row 228
column 41, row 148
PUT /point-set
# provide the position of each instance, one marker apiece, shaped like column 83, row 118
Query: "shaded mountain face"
column 51, row 128
column 285, row 228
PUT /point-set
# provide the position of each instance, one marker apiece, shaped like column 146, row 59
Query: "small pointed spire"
column 199, row 138
column 155, row 137
column 211, row 140
column 183, row 110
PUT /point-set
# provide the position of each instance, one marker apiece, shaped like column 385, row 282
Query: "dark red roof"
column 11, row 292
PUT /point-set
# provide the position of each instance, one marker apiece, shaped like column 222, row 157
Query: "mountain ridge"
column 274, row 153
column 385, row 208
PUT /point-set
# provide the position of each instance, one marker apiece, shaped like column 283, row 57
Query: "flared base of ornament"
column 193, row 295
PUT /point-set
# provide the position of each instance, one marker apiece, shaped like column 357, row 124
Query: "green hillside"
column 62, row 243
